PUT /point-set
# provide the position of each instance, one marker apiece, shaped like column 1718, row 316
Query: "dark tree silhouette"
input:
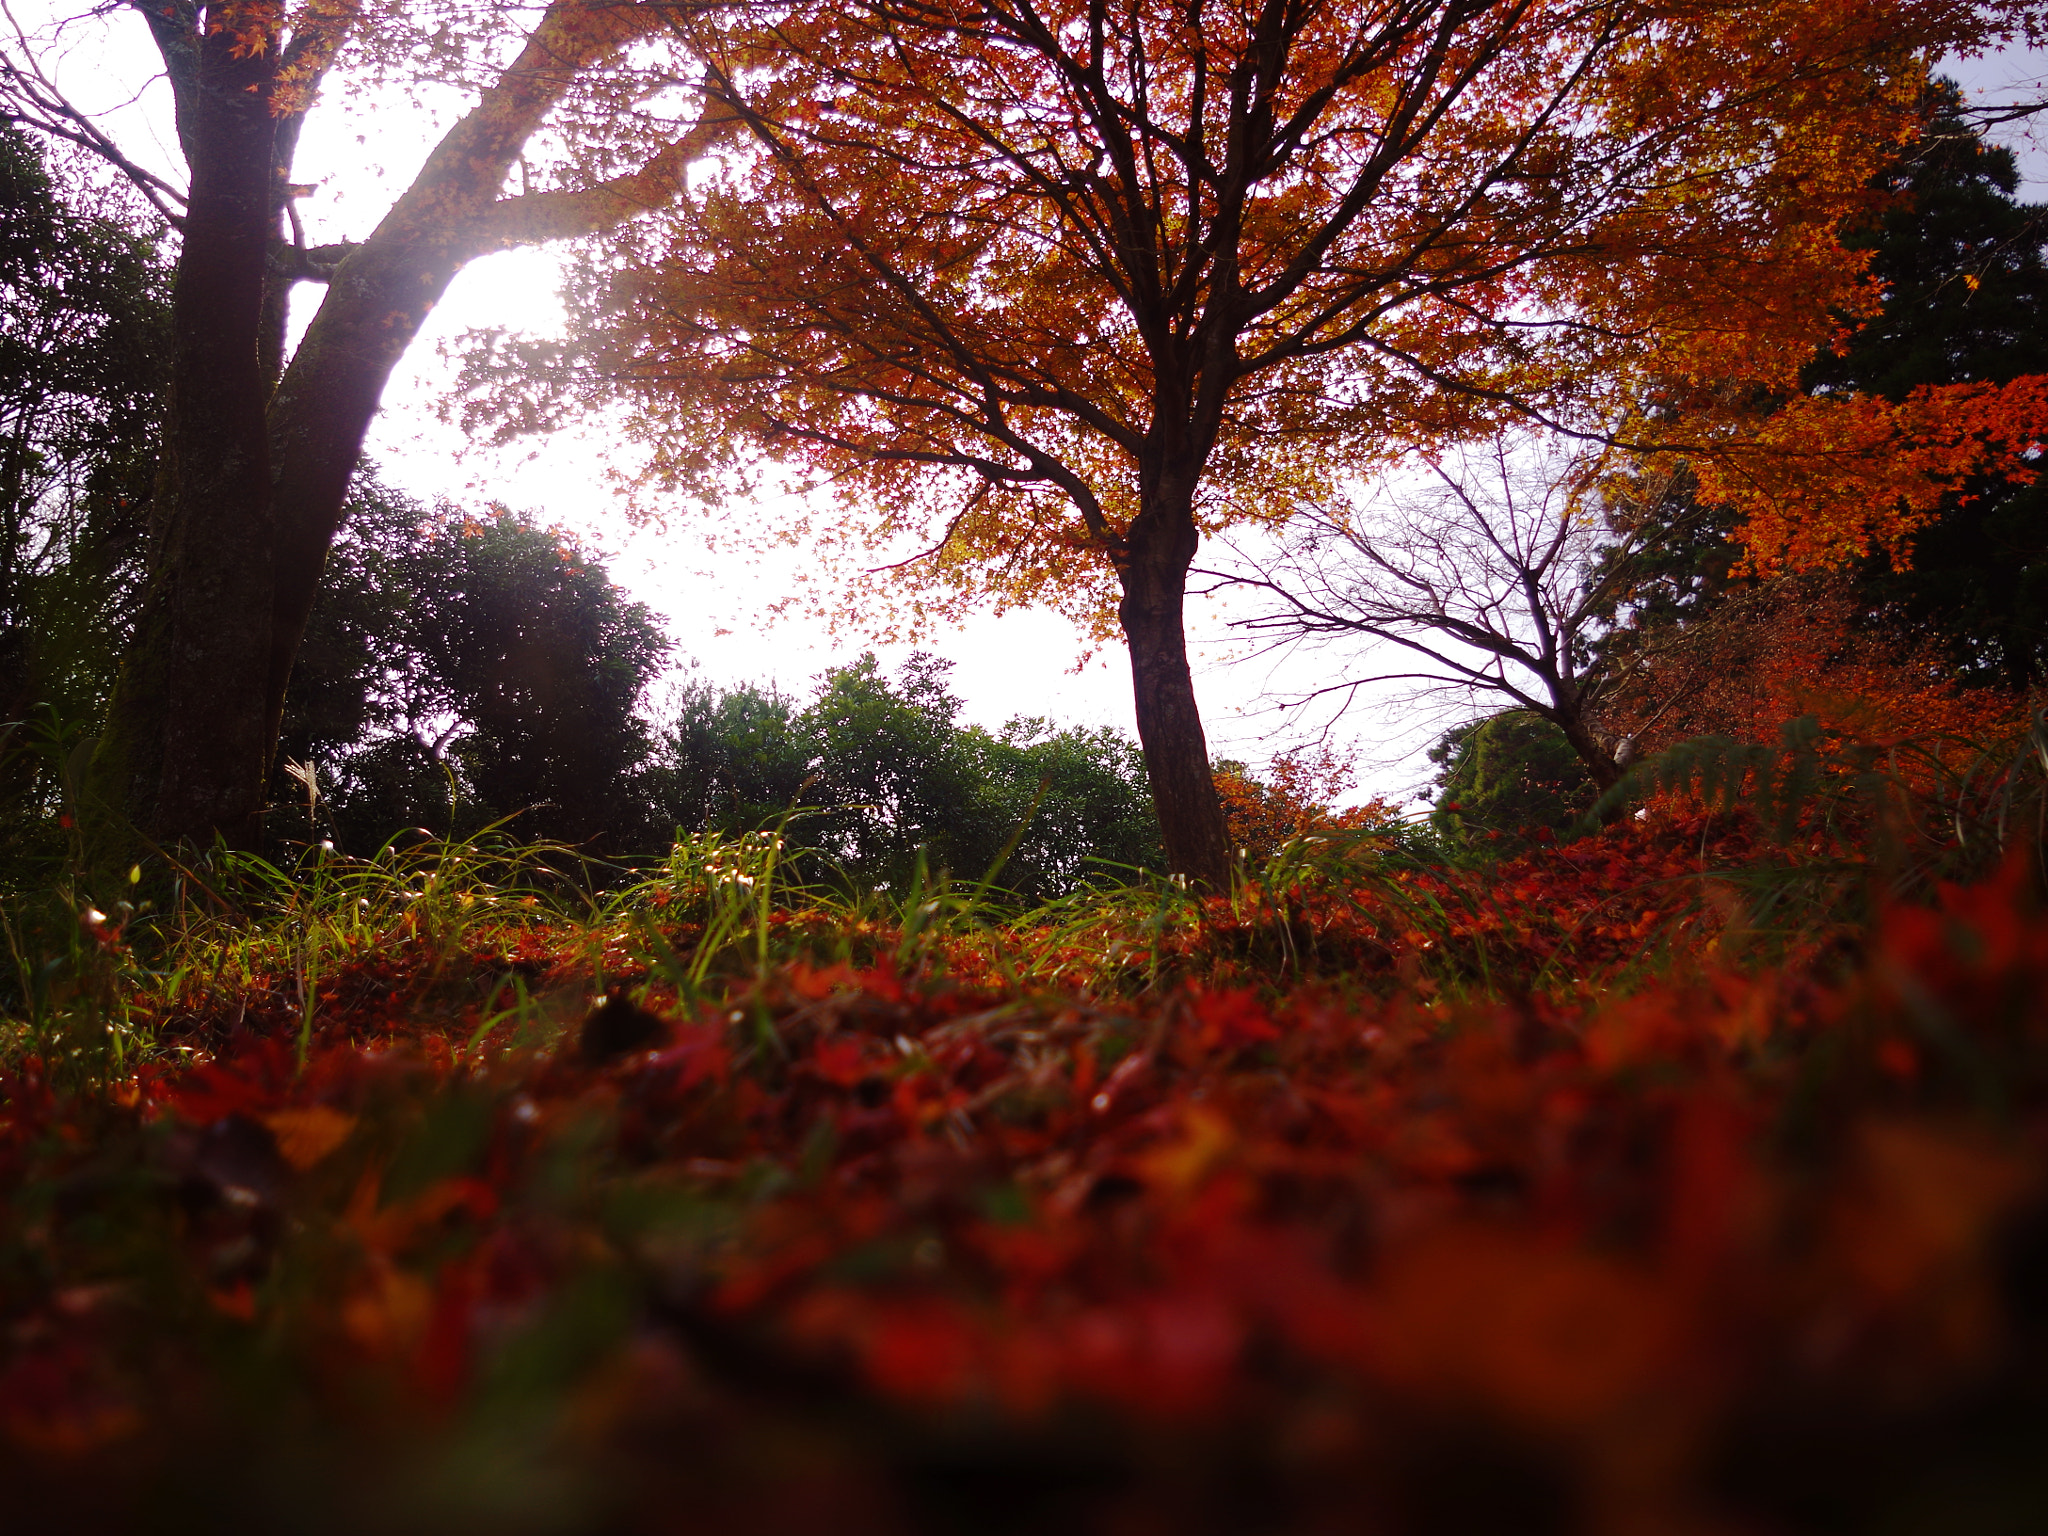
column 484, row 660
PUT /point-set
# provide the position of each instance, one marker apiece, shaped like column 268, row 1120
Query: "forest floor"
column 1663, row 1182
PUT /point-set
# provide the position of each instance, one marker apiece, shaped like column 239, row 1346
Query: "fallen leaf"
column 306, row 1136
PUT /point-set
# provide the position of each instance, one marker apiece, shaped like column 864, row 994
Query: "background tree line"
column 459, row 670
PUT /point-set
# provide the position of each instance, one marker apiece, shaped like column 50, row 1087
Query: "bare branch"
column 1483, row 576
column 30, row 98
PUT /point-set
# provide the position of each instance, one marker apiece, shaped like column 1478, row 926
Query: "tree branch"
column 31, row 99
column 535, row 217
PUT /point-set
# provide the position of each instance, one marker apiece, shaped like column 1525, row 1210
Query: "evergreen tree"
column 894, row 775
column 1965, row 287
column 83, row 316
column 1505, row 776
column 729, row 760
column 1094, row 820
column 1961, row 268
column 83, row 322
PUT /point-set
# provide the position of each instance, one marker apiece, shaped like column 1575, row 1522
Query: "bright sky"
column 714, row 596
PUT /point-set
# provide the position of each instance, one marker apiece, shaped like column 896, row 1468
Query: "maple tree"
column 1703, row 640
column 1567, row 586
column 1926, row 402
column 1069, row 287
column 259, row 447
column 1292, row 800
column 1768, row 652
column 1823, row 479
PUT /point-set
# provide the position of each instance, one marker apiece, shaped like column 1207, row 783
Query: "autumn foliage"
column 1778, row 650
column 1294, row 799
column 1048, row 295
column 1391, row 1195
column 1682, row 1172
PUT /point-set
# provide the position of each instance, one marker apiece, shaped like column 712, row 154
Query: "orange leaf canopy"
column 1826, row 479
column 1005, row 273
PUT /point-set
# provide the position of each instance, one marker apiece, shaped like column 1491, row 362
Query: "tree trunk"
column 375, row 305
column 252, row 489
column 185, row 753
column 1153, row 570
column 1599, row 761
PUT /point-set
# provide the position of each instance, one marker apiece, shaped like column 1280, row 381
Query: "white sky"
column 713, row 596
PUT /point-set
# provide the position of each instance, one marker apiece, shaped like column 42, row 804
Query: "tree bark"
column 255, row 479
column 1599, row 761
column 1153, row 570
column 376, row 303
column 185, row 753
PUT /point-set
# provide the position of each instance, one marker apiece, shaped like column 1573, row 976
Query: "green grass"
column 102, row 968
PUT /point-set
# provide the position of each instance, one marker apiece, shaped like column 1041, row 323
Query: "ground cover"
column 1625, row 1185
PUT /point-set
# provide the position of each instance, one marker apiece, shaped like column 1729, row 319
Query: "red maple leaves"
column 1606, row 1221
